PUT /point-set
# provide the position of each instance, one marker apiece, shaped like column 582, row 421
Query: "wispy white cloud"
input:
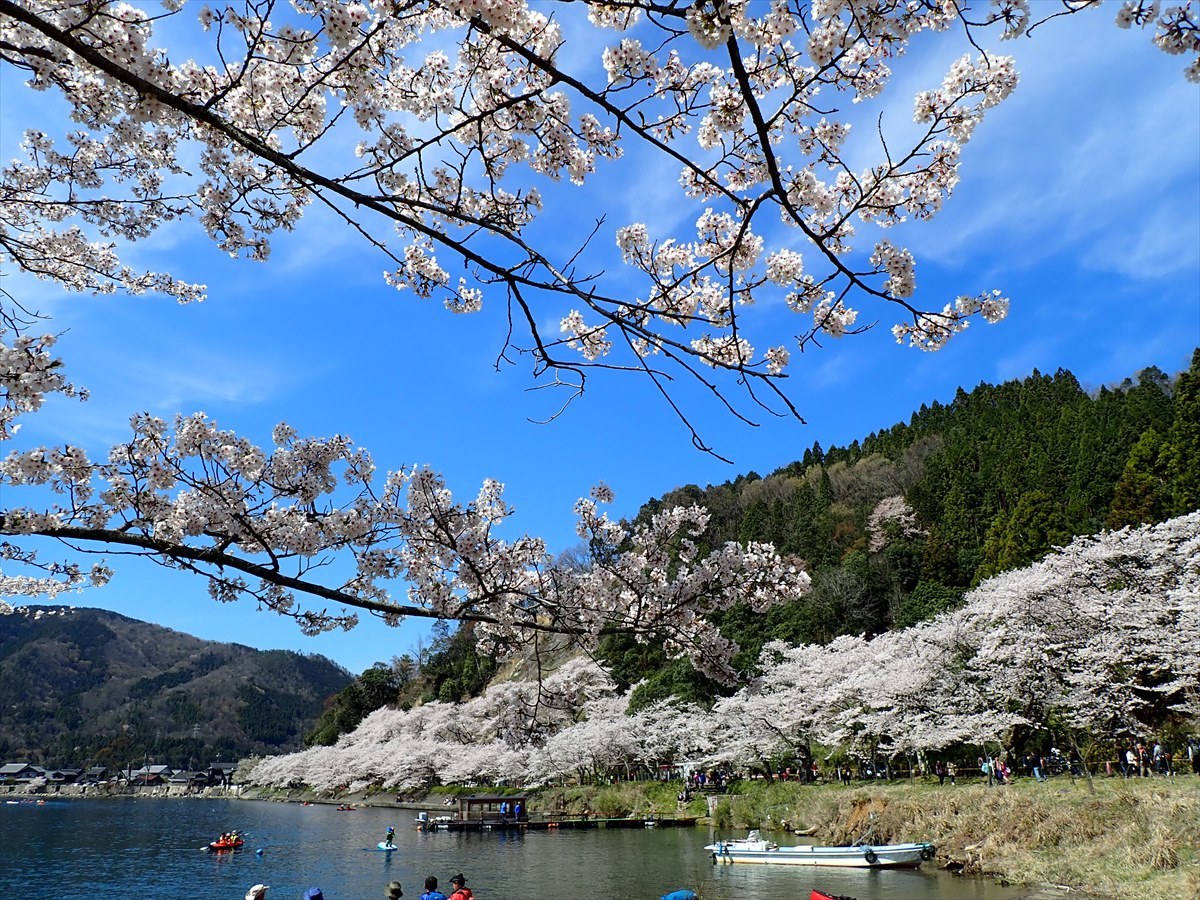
column 1064, row 167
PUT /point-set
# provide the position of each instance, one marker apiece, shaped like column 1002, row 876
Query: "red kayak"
column 218, row 846
column 821, row 895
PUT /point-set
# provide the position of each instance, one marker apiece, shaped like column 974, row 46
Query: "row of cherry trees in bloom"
column 1096, row 641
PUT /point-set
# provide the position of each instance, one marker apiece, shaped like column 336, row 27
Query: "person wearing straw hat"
column 258, row 892
column 394, row 891
column 461, row 891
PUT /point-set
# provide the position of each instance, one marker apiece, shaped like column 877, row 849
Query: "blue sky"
column 1080, row 199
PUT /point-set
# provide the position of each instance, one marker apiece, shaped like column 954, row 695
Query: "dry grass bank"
column 1131, row 839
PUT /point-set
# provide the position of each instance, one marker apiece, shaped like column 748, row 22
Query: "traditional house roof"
column 185, row 777
column 150, row 774
column 223, row 767
column 21, row 772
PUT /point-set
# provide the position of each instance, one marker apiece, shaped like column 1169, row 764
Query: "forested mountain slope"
column 989, row 482
column 894, row 529
column 82, row 686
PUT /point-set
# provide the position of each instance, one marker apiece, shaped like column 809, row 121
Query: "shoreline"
column 1130, row 839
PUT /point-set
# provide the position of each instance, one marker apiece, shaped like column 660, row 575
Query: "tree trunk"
column 1087, row 771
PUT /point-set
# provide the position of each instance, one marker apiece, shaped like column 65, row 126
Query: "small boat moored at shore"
column 754, row 849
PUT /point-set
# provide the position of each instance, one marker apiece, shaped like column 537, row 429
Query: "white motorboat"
column 754, row 849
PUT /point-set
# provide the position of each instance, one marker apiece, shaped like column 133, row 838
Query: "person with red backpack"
column 461, row 891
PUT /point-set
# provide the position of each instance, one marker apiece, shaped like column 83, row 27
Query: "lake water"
column 149, row 849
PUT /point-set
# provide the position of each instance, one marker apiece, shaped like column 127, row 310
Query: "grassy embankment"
column 1131, row 839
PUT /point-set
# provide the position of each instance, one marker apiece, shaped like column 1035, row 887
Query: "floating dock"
column 561, row 823
column 510, row 812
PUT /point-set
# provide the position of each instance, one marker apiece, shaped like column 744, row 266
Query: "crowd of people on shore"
column 1142, row 760
column 1137, row 759
column 393, row 891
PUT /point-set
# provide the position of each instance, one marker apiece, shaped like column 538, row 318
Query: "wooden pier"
column 509, row 812
column 555, row 823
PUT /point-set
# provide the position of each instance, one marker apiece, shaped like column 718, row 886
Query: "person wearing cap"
column 394, row 891
column 461, row 891
column 258, row 892
column 431, row 891
column 390, row 837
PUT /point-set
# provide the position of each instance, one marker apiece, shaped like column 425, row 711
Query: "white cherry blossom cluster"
column 661, row 585
column 833, row 317
column 1014, row 14
column 28, row 373
column 891, row 514
column 618, row 17
column 1177, row 28
column 708, row 21
column 930, row 331
column 55, row 578
column 420, row 272
column 786, row 267
column 458, row 114
column 725, row 350
column 898, row 263
column 629, row 61
column 966, row 92
column 590, row 340
column 262, row 523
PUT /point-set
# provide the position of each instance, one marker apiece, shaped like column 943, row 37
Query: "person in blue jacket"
column 680, row 895
column 431, row 891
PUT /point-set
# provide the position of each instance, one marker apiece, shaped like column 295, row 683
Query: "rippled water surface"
column 146, row 849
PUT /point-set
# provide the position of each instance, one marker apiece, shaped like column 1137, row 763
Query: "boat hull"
column 889, row 856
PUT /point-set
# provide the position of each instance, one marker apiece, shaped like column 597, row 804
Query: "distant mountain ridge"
column 87, row 686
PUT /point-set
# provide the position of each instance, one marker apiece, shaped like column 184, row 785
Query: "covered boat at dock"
column 754, row 849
